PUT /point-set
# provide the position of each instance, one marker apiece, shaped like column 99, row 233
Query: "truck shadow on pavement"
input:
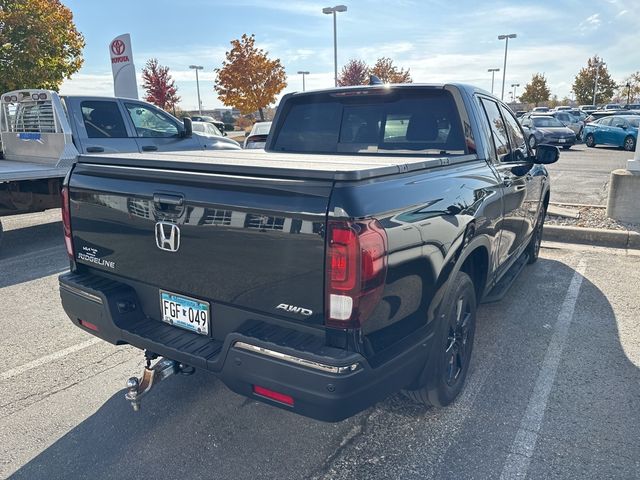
column 194, row 427
column 32, row 252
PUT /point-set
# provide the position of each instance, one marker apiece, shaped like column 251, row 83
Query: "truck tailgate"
column 227, row 240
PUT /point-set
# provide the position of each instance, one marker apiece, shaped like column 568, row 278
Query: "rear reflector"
column 271, row 395
column 88, row 325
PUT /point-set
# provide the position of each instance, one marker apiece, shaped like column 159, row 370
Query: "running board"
column 501, row 288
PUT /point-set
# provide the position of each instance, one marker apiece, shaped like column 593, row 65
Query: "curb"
column 577, row 205
column 592, row 236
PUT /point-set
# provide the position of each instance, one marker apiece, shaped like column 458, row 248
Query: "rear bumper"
column 325, row 383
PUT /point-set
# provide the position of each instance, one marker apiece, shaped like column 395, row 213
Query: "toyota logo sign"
column 117, row 47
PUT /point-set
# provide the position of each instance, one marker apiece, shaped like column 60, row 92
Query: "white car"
column 206, row 129
column 257, row 138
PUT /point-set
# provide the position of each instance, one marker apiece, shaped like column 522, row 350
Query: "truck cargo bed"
column 11, row 171
column 281, row 165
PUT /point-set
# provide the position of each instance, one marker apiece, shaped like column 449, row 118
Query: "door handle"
column 94, row 149
column 149, row 148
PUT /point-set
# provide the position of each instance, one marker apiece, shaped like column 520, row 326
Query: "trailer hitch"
column 151, row 376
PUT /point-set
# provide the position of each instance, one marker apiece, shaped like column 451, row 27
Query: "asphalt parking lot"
column 554, row 391
column 582, row 174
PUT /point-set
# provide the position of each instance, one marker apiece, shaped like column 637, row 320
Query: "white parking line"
column 47, row 358
column 519, row 458
column 10, row 261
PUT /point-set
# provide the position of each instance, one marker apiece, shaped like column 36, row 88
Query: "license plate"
column 562, row 140
column 185, row 312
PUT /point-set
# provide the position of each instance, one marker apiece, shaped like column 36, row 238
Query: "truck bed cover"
column 11, row 171
column 283, row 165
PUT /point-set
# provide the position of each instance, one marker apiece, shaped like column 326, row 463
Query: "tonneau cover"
column 282, row 165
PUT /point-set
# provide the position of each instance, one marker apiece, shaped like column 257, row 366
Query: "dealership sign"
column 124, row 72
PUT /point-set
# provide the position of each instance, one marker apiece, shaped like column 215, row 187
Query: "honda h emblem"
column 167, row 236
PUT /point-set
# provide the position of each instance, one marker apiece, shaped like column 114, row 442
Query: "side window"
column 518, row 143
column 498, row 129
column 150, row 123
column 102, row 119
column 526, row 122
column 605, row 122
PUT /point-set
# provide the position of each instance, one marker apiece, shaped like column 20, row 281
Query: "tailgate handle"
column 165, row 198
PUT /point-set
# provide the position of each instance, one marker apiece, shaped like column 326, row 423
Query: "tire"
column 579, row 135
column 1, row 233
column 449, row 359
column 533, row 249
column 566, row 147
column 532, row 142
column 590, row 141
column 629, row 144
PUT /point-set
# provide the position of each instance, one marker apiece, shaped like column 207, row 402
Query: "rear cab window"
column 426, row 122
column 102, row 119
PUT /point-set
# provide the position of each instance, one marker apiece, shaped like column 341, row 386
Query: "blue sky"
column 439, row 40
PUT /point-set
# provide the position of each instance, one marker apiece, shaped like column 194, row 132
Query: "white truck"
column 42, row 134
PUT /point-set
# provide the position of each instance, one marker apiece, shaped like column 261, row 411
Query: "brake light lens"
column 66, row 222
column 356, row 271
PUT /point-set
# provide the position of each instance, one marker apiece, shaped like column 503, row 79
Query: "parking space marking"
column 48, row 358
column 15, row 260
column 524, row 443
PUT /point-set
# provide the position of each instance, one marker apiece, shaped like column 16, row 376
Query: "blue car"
column 621, row 131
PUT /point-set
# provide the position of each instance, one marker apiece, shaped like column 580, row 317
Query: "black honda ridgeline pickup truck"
column 340, row 265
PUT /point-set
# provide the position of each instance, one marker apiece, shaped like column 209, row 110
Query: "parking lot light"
column 514, row 85
column 303, row 73
column 595, row 86
column 493, row 74
column 196, row 68
column 329, row 11
column 505, row 37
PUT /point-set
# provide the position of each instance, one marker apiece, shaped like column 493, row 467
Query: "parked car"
column 541, row 109
column 257, row 138
column 580, row 114
column 547, row 130
column 632, row 106
column 607, row 113
column 205, row 118
column 588, row 109
column 210, row 130
column 612, row 106
column 574, row 123
column 520, row 113
column 562, row 108
column 343, row 264
column 618, row 130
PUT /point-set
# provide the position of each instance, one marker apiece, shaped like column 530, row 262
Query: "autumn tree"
column 249, row 80
column 632, row 92
column 160, row 88
column 536, row 91
column 585, row 80
column 386, row 71
column 354, row 72
column 39, row 44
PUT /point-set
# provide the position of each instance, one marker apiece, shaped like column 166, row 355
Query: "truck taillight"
column 66, row 222
column 356, row 271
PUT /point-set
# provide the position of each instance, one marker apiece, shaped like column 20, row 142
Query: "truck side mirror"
column 188, row 128
column 546, row 154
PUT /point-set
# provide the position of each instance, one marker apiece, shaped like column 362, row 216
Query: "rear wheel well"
column 476, row 265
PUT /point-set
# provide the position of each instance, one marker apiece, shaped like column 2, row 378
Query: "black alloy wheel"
column 532, row 142
column 533, row 249
column 590, row 141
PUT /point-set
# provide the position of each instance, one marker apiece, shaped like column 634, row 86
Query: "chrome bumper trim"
column 81, row 293
column 296, row 360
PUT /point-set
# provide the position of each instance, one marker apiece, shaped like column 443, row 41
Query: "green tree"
column 536, row 91
column 585, row 80
column 248, row 79
column 39, row 44
column 633, row 90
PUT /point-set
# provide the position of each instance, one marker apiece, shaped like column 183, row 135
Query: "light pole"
column 493, row 74
column 303, row 74
column 628, row 85
column 514, row 85
column 196, row 68
column 504, row 67
column 595, row 87
column 328, row 11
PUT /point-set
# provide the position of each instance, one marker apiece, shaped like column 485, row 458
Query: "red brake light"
column 66, row 222
column 356, row 271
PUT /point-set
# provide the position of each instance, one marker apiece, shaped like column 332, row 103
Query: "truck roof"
column 275, row 164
